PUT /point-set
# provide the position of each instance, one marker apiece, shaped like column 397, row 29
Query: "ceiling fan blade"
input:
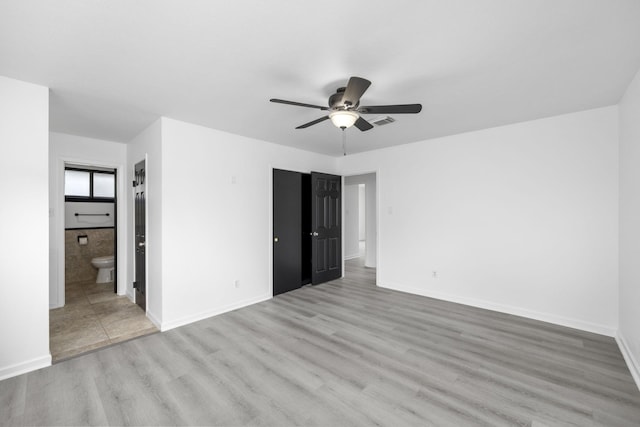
column 362, row 124
column 315, row 122
column 355, row 88
column 299, row 104
column 391, row 109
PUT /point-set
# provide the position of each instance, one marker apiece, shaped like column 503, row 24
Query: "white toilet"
column 104, row 264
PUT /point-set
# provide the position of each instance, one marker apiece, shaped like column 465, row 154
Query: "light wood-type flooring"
column 344, row 353
column 93, row 317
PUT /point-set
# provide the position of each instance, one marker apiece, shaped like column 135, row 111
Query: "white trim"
column 24, row 367
column 165, row 326
column 154, row 319
column 632, row 363
column 270, row 169
column 352, row 256
column 517, row 311
column 120, row 229
column 378, row 234
column 342, row 231
column 59, row 232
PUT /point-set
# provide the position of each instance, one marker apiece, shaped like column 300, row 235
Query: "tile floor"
column 93, row 317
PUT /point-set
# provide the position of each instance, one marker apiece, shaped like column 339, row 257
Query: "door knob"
column 141, row 244
column 275, row 239
column 314, row 234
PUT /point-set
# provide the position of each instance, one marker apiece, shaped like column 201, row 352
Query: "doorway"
column 90, row 225
column 360, row 223
column 92, row 315
column 307, row 229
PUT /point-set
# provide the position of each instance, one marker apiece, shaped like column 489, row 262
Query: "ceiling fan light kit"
column 343, row 119
column 345, row 110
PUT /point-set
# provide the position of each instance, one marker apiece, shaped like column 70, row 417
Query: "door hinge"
column 134, row 183
column 135, row 285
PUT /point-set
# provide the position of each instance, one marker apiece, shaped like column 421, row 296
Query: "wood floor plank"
column 12, row 400
column 341, row 353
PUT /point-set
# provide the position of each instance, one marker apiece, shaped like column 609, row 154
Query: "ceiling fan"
column 345, row 110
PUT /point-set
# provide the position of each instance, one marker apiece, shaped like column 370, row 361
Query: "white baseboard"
column 632, row 363
column 24, row 367
column 156, row 322
column 165, row 326
column 131, row 296
column 347, row 257
column 517, row 311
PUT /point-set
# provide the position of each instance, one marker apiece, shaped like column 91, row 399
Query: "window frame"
column 91, row 197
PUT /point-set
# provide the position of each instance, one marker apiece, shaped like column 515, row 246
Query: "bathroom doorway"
column 90, row 207
column 93, row 315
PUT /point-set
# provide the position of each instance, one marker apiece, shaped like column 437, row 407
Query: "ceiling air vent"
column 382, row 121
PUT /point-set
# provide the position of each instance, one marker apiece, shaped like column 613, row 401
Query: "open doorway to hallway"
column 360, row 225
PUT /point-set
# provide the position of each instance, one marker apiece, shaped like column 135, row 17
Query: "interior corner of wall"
column 156, row 320
column 629, row 358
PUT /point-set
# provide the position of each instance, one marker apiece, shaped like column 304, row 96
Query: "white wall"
column 80, row 150
column 351, row 227
column 97, row 217
column 520, row 219
column 24, row 259
column 217, row 218
column 148, row 146
column 629, row 332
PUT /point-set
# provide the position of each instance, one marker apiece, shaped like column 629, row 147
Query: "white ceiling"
column 114, row 66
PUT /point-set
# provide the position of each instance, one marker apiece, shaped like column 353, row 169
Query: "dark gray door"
column 287, row 234
column 115, row 231
column 326, row 227
column 140, row 207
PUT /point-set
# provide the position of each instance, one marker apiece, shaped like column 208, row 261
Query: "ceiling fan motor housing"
column 335, row 101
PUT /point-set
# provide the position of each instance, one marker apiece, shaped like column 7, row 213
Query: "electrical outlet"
column 236, row 283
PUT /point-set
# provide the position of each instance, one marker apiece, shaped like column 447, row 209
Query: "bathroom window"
column 88, row 185
column 103, row 185
column 77, row 183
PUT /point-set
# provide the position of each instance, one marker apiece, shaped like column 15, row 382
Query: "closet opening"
column 307, row 229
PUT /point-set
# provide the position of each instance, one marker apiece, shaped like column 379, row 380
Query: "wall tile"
column 78, row 258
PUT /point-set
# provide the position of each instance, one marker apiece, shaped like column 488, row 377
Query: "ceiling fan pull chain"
column 344, row 142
